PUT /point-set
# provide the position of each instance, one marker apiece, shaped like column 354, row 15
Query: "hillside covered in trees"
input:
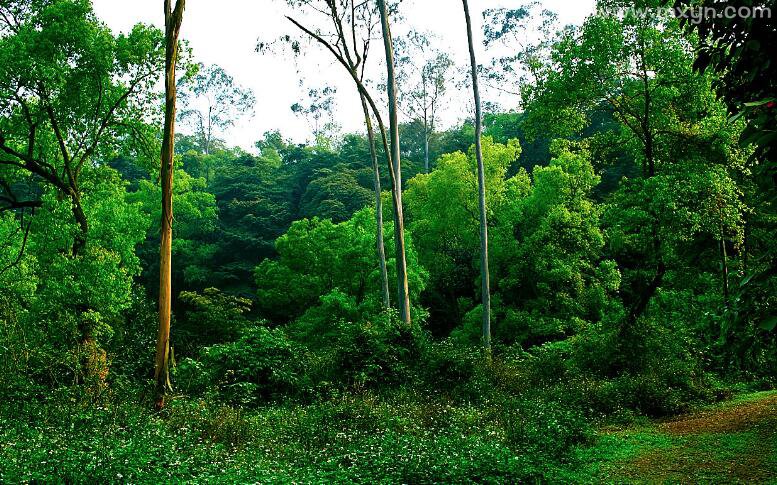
column 516, row 295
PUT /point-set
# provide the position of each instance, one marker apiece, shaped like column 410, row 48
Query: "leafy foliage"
column 631, row 256
column 328, row 271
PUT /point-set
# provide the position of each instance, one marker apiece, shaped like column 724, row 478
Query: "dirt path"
column 735, row 442
column 733, row 417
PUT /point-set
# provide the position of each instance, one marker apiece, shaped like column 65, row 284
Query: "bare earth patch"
column 736, row 443
column 731, row 419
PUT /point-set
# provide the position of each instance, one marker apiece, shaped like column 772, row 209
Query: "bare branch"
column 106, row 122
column 361, row 88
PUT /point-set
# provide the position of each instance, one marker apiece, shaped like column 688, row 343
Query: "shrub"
column 511, row 327
column 210, row 317
column 318, row 326
column 448, row 366
column 546, row 427
column 262, row 365
column 549, row 363
column 651, row 367
column 380, row 350
column 132, row 347
column 212, row 421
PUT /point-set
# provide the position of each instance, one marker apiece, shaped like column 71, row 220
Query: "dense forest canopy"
column 414, row 302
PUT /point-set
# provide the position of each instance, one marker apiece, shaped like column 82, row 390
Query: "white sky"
column 225, row 32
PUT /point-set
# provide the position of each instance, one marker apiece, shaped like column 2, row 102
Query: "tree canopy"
column 588, row 249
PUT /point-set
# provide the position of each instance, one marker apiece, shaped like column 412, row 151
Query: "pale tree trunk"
column 396, row 185
column 381, row 248
column 173, row 20
column 426, row 142
column 724, row 267
column 209, row 134
column 484, row 276
column 403, row 295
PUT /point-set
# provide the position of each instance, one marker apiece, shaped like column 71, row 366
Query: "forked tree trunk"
column 403, row 296
column 173, row 20
column 484, row 275
column 351, row 66
column 381, row 247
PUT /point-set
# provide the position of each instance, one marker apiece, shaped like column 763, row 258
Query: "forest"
column 574, row 282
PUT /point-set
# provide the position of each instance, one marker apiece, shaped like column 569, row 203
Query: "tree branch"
column 21, row 251
column 107, row 121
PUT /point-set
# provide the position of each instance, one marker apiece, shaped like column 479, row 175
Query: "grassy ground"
column 733, row 442
column 362, row 439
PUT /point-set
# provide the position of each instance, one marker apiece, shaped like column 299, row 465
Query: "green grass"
column 352, row 439
column 649, row 453
column 361, row 438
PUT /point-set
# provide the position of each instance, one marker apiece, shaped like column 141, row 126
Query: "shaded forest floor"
column 732, row 442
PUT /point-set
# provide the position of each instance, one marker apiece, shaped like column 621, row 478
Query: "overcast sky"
column 225, row 32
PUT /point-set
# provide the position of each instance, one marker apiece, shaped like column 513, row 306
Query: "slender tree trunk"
column 403, row 295
column 210, row 130
column 403, row 300
column 173, row 20
column 381, row 248
column 745, row 244
column 724, row 268
column 484, row 275
column 426, row 143
column 646, row 124
column 93, row 364
column 643, row 299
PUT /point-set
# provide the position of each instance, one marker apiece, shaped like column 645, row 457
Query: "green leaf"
column 754, row 104
column 770, row 323
column 735, row 117
column 746, row 280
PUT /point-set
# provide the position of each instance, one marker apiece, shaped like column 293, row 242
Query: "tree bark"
column 426, row 143
column 344, row 58
column 650, row 290
column 484, row 274
column 650, row 165
column 209, row 134
column 162, row 371
column 724, row 268
column 83, row 224
column 381, row 248
column 403, row 295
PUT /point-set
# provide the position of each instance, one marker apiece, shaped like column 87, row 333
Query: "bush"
column 133, row 345
column 212, row 421
column 448, row 366
column 210, row 317
column 380, row 350
column 510, row 327
column 549, row 363
column 318, row 326
column 262, row 365
column 540, row 426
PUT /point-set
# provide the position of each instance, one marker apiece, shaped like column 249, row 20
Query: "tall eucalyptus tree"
column 403, row 295
column 484, row 275
column 173, row 19
column 212, row 102
column 349, row 27
column 423, row 74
